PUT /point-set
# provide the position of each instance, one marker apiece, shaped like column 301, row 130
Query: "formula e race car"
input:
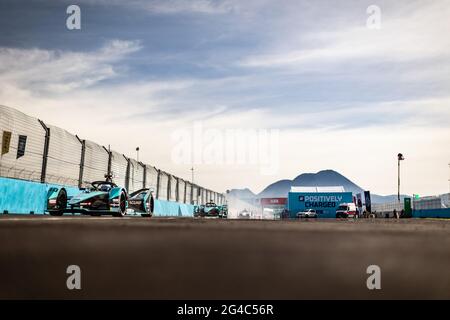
column 210, row 209
column 101, row 197
column 142, row 201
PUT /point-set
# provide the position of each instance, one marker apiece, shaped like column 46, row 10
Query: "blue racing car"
column 210, row 209
column 101, row 197
column 142, row 201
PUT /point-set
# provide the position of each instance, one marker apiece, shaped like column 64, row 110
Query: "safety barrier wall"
column 25, row 197
column 136, row 180
column 151, row 177
column 388, row 207
column 33, row 150
column 181, row 191
column 195, row 198
column 164, row 208
column 13, row 164
column 188, row 192
column 432, row 213
column 427, row 203
column 96, row 159
column 173, row 188
column 163, row 186
column 119, row 168
column 64, row 157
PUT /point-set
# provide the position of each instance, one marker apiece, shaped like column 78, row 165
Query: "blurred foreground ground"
column 149, row 258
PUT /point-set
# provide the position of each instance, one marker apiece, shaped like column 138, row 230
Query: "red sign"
column 273, row 201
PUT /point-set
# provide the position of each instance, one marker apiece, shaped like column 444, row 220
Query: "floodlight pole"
column 399, row 158
column 398, row 189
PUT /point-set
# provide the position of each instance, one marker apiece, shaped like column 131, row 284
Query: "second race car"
column 210, row 209
column 142, row 201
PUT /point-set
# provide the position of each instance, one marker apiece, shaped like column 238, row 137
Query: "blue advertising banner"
column 325, row 203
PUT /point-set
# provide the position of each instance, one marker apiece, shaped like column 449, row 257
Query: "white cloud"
column 404, row 37
column 198, row 6
column 174, row 6
column 56, row 71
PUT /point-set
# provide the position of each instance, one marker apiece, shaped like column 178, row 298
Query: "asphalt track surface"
column 149, row 258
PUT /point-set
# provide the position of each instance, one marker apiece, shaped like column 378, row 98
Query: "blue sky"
column 311, row 69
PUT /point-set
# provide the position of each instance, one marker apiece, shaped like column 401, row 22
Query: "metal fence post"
column 158, row 177
column 169, row 186
column 177, row 190
column 45, row 154
column 83, row 152
column 127, row 174
column 108, row 176
column 144, row 181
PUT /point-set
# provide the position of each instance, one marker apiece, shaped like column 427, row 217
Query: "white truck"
column 347, row 210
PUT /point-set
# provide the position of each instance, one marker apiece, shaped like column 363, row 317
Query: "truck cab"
column 347, row 210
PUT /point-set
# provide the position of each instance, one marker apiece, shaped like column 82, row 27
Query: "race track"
column 150, row 258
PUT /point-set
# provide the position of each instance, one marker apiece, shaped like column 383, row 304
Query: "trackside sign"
column 325, row 203
column 273, row 201
column 320, row 201
column 6, row 141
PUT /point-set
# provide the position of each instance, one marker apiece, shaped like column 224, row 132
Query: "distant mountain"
column 323, row 178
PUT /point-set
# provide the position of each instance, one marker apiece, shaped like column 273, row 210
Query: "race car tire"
column 122, row 206
column 150, row 206
column 61, row 201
